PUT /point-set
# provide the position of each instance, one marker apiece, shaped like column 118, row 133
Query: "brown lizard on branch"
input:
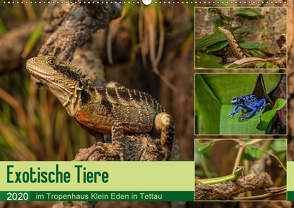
column 103, row 110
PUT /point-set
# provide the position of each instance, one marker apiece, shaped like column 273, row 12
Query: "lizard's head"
column 239, row 171
column 63, row 79
column 225, row 30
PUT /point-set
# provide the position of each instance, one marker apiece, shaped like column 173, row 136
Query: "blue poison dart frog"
column 250, row 102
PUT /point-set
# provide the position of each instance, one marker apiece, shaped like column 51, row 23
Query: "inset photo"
column 240, row 104
column 240, row 169
column 236, row 38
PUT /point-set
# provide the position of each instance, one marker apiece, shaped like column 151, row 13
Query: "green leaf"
column 234, row 66
column 227, row 86
column 220, row 12
column 269, row 65
column 236, row 28
column 217, row 46
column 218, row 23
column 238, row 36
column 268, row 116
column 279, row 104
column 271, row 81
column 213, row 9
column 234, row 125
column 209, row 40
column 251, row 45
column 204, row 148
column 209, row 107
column 246, row 156
column 248, row 12
column 32, row 41
column 228, row 18
column 256, row 52
column 260, row 153
column 252, row 152
column 204, row 60
column 265, row 120
column 259, row 65
column 279, row 145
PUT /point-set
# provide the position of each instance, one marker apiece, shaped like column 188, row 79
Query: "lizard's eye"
column 51, row 61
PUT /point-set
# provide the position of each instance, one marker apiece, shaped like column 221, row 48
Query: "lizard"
column 103, row 110
column 245, row 58
column 238, row 51
column 239, row 171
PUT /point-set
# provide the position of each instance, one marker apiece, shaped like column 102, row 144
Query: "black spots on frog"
column 250, row 99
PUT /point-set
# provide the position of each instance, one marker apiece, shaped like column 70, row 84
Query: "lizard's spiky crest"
column 79, row 74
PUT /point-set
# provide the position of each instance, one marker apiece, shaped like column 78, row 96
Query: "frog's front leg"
column 235, row 111
column 261, row 104
column 250, row 114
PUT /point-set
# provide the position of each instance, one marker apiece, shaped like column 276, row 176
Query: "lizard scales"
column 238, row 51
column 134, row 109
column 102, row 109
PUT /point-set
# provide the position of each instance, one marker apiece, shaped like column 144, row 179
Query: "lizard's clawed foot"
column 107, row 150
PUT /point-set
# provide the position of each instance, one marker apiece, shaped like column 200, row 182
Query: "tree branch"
column 80, row 23
column 227, row 189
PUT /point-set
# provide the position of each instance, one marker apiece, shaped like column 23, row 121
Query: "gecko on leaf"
column 250, row 102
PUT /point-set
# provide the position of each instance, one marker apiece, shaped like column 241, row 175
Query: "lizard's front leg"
column 118, row 139
column 163, row 122
column 116, row 148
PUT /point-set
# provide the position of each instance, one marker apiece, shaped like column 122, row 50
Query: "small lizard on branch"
column 104, row 110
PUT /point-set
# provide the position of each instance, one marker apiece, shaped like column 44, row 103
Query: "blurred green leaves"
column 209, row 40
column 32, row 41
column 248, row 12
column 266, row 65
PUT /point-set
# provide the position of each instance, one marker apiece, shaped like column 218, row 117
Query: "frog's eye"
column 51, row 61
column 234, row 98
